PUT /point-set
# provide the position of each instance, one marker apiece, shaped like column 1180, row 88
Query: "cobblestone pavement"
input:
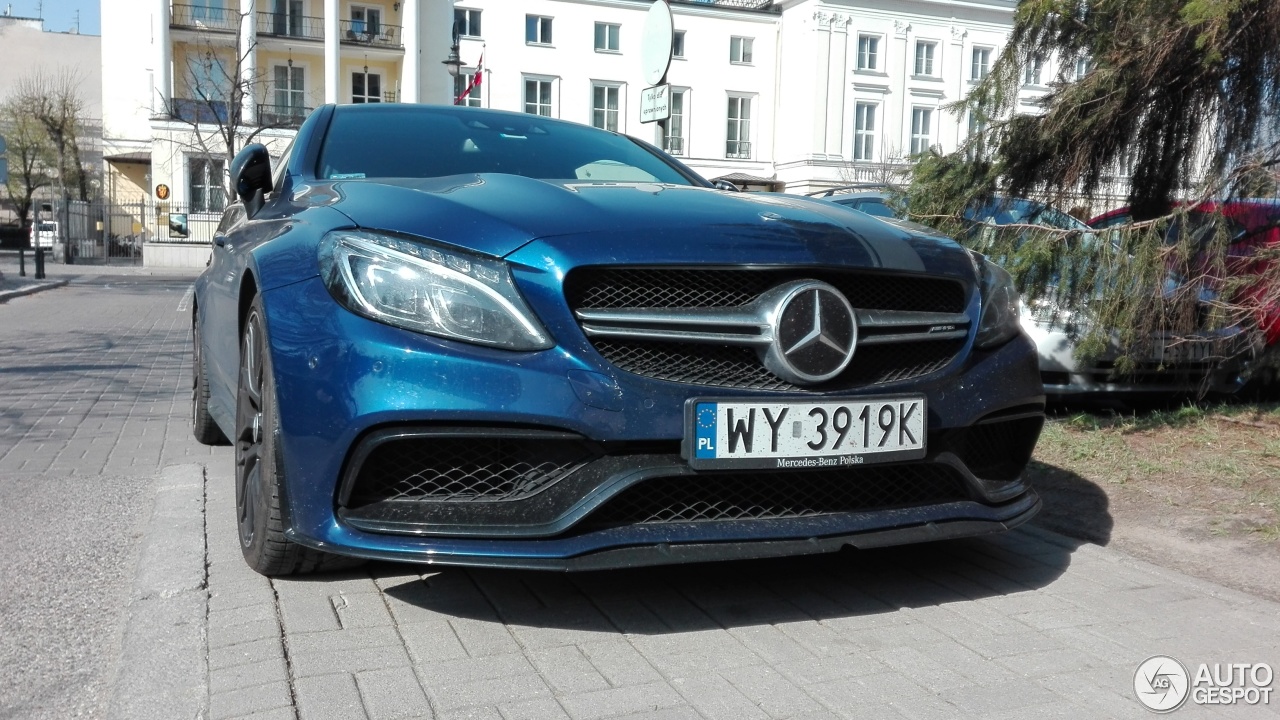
column 92, row 404
column 1024, row 625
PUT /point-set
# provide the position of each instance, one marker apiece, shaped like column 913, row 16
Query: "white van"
column 46, row 231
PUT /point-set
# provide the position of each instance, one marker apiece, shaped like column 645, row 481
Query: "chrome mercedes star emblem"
column 814, row 332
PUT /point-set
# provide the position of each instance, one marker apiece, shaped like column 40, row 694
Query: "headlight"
column 999, row 307
column 437, row 291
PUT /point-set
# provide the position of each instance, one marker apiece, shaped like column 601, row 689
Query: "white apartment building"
column 810, row 93
column 802, row 93
column 580, row 60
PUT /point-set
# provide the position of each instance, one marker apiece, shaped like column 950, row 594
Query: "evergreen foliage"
column 1185, row 91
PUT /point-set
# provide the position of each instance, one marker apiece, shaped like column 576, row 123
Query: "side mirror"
column 725, row 185
column 251, row 176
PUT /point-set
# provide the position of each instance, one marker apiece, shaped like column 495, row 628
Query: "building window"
column 366, row 20
column 864, row 131
column 366, row 87
column 868, row 52
column 738, row 135
column 287, row 18
column 537, row 97
column 465, row 79
column 924, row 57
column 921, row 134
column 604, row 107
column 289, row 96
column 981, row 63
column 674, row 140
column 607, row 37
column 204, row 189
column 1031, row 74
column 210, row 11
column 1083, row 66
column 677, row 44
column 740, row 50
column 977, row 136
column 466, row 22
column 537, row 30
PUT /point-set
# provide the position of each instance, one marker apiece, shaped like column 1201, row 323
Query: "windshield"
column 422, row 142
column 1016, row 211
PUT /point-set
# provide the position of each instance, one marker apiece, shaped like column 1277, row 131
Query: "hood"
column 496, row 214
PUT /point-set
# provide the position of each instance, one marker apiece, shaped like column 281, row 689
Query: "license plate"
column 804, row 435
column 1172, row 352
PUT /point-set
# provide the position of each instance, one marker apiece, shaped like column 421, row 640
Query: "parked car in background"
column 872, row 199
column 1253, row 226
column 44, row 233
column 1210, row 362
column 501, row 339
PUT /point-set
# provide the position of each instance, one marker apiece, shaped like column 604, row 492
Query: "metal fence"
column 103, row 232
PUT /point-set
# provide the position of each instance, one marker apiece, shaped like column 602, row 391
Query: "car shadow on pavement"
column 711, row 596
column 1073, row 505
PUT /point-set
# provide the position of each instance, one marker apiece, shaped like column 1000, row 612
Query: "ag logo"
column 1161, row 684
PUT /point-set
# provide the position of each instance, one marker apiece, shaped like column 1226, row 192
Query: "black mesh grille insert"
column 738, row 367
column 471, row 469
column 601, row 288
column 759, row 495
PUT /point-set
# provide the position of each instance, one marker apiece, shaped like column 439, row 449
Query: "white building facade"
column 580, row 61
column 810, row 93
column 803, row 93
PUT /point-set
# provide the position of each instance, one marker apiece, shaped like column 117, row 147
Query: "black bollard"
column 22, row 262
column 39, row 263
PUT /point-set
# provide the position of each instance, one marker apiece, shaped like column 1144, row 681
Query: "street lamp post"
column 454, row 63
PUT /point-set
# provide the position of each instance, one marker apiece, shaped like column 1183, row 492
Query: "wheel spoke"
column 249, row 432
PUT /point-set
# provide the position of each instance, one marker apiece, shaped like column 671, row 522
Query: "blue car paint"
column 340, row 375
column 332, row 390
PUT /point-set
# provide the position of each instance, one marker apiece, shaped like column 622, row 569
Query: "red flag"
column 476, row 79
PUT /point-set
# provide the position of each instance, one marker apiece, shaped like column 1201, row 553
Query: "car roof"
column 842, row 190
column 1251, row 212
column 864, row 195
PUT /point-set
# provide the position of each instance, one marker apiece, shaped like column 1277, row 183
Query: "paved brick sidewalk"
column 1026, row 625
column 93, row 404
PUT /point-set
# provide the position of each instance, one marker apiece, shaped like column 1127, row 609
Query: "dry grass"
column 1203, row 471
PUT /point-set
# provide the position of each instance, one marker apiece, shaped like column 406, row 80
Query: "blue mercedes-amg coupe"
column 461, row 336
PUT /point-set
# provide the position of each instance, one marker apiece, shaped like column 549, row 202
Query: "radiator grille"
column 756, row 495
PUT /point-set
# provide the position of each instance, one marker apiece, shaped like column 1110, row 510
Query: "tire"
column 260, row 468
column 203, row 427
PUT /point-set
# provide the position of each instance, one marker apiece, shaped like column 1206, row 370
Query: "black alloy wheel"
column 260, row 469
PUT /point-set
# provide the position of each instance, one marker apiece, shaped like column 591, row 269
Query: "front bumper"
column 343, row 380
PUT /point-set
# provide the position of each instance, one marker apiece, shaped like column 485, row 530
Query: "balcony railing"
column 365, row 33
column 737, row 149
column 202, row 17
column 674, row 145
column 284, row 116
column 200, row 111
column 290, row 26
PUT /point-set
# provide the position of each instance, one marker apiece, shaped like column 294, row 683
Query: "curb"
column 163, row 670
column 7, row 295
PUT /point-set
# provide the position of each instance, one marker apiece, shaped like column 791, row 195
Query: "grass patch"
column 1211, row 467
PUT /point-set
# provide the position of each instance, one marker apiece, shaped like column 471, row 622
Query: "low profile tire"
column 203, row 427
column 260, row 470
